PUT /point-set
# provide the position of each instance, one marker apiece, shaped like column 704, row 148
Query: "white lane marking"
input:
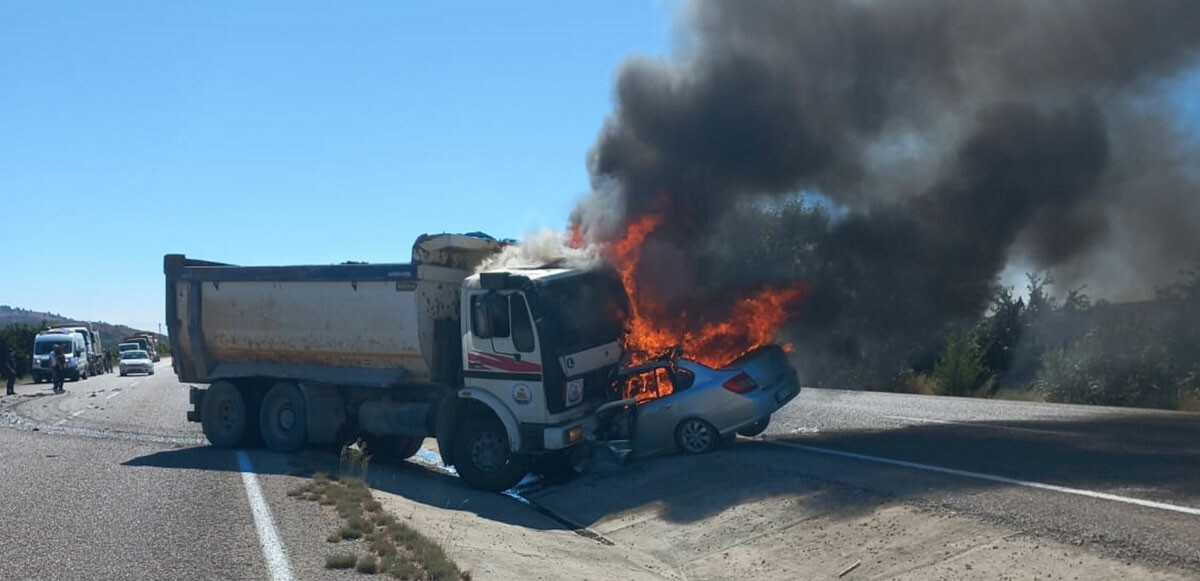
column 977, row 425
column 272, row 548
column 60, row 422
column 992, row 478
column 134, row 383
column 77, row 413
column 112, row 395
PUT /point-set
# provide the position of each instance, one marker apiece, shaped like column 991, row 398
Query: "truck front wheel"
column 223, row 415
column 483, row 459
column 283, row 418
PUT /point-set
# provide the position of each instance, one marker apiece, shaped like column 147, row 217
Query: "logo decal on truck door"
column 522, row 394
column 574, row 393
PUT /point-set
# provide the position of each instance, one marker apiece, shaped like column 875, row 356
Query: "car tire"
column 223, row 415
column 283, row 418
column 696, row 436
column 122, row 374
column 756, row 428
column 483, row 459
column 75, row 377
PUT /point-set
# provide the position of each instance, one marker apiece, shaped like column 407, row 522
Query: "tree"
column 960, row 368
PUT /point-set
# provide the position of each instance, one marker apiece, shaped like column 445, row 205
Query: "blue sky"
column 287, row 132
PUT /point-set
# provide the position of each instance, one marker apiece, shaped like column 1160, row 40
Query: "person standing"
column 10, row 371
column 58, row 364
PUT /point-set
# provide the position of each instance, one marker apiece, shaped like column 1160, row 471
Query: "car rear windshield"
column 134, row 355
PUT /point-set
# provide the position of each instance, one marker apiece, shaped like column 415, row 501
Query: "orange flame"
column 576, row 240
column 653, row 328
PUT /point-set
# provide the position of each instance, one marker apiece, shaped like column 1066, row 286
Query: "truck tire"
column 223, row 415
column 283, row 418
column 393, row 448
column 483, row 459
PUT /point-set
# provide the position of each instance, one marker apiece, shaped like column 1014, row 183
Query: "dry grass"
column 393, row 547
column 367, row 564
column 340, row 561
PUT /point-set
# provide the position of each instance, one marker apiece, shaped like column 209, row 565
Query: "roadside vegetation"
column 19, row 337
column 1075, row 350
column 383, row 543
column 889, row 312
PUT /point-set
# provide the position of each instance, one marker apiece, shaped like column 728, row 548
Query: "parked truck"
column 501, row 367
column 91, row 339
column 147, row 342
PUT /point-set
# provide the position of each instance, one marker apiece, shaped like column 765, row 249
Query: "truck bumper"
column 566, row 435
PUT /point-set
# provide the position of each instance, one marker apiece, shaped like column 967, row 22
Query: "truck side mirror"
column 481, row 324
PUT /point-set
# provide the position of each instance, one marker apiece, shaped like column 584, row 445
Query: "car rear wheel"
column 283, row 418
column 223, row 415
column 696, row 436
column 756, row 428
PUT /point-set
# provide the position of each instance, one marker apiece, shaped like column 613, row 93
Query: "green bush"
column 959, row 370
column 1110, row 368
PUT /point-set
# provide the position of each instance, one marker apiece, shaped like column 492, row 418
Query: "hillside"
column 110, row 334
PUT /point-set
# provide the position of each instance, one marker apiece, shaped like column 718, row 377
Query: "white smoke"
column 545, row 248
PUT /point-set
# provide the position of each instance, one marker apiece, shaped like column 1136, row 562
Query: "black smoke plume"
column 899, row 155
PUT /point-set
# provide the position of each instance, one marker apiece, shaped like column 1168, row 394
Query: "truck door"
column 503, row 353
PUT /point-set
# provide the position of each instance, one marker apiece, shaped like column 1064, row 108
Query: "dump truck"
column 148, row 343
column 502, row 367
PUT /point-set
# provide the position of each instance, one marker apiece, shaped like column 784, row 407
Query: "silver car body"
column 136, row 361
column 707, row 399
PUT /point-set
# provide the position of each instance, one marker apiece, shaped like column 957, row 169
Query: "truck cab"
column 539, row 351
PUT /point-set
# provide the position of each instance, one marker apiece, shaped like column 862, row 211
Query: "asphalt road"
column 109, row 481
column 1078, row 474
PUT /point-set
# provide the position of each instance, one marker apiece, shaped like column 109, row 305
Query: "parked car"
column 136, row 361
column 709, row 405
column 123, row 347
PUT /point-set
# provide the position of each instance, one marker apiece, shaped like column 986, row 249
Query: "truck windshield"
column 586, row 311
column 44, row 347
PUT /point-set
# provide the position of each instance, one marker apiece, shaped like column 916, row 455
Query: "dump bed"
column 354, row 324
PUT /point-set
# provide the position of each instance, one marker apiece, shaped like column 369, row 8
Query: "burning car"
column 673, row 404
column 708, row 405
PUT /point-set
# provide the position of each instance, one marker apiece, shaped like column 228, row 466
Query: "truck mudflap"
column 196, row 398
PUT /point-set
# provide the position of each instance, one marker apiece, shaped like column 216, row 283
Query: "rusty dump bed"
column 354, row 324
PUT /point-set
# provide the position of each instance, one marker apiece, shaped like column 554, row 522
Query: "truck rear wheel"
column 283, row 419
column 483, row 458
column 223, row 415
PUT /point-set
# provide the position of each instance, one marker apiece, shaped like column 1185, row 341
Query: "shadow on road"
column 406, row 479
column 1153, row 457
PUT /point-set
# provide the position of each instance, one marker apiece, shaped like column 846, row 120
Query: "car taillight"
column 740, row 383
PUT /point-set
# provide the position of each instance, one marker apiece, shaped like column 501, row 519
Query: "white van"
column 74, row 346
